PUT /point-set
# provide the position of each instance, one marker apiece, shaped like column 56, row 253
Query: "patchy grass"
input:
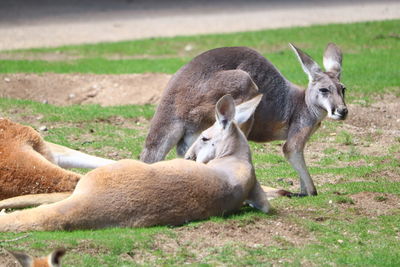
column 356, row 163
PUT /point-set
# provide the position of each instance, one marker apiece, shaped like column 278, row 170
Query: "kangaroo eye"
column 205, row 139
column 324, row 90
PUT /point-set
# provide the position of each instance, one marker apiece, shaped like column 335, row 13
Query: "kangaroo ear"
column 24, row 259
column 310, row 67
column 333, row 59
column 225, row 110
column 245, row 110
column 55, row 256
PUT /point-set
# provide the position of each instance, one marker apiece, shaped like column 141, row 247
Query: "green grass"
column 370, row 48
column 77, row 113
column 332, row 227
column 93, row 65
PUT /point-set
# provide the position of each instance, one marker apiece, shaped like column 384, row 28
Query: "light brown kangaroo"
column 29, row 165
column 131, row 193
column 286, row 112
column 29, row 168
column 52, row 260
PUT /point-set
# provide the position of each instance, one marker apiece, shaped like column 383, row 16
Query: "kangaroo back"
column 239, row 71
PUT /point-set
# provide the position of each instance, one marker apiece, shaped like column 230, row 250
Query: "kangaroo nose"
column 343, row 112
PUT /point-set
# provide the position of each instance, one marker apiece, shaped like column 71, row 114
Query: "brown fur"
column 26, row 164
column 130, row 193
column 32, row 200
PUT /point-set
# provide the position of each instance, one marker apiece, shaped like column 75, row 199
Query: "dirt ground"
column 67, row 89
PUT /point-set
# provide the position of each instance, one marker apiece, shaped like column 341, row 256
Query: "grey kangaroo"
column 286, row 111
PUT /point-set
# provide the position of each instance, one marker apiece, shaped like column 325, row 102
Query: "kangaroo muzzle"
column 340, row 113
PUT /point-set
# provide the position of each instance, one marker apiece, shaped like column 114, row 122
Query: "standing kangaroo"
column 286, row 112
column 131, row 193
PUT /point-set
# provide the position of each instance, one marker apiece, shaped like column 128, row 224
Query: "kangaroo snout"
column 341, row 112
column 190, row 155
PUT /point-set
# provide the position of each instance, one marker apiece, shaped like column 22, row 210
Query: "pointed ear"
column 245, row 110
column 333, row 59
column 310, row 67
column 56, row 255
column 225, row 110
column 24, row 259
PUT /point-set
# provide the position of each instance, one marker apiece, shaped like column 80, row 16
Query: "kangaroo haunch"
column 30, row 165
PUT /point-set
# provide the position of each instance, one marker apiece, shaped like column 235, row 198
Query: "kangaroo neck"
column 301, row 102
column 237, row 169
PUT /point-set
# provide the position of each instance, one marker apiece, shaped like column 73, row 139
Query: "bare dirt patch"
column 373, row 129
column 384, row 113
column 6, row 260
column 256, row 232
column 68, row 89
column 376, row 127
column 376, row 204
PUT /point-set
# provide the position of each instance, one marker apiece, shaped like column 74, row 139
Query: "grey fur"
column 286, row 112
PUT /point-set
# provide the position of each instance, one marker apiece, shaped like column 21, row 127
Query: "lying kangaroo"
column 52, row 260
column 130, row 193
column 286, row 111
column 30, row 168
column 29, row 165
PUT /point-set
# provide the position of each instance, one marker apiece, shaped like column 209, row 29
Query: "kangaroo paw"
column 299, row 195
column 284, row 193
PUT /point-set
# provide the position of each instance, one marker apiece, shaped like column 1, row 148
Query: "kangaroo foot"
column 284, row 193
column 300, row 195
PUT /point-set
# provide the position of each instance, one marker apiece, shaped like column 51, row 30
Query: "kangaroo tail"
column 32, row 200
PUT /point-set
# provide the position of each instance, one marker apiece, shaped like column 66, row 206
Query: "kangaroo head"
column 52, row 260
column 224, row 137
column 325, row 92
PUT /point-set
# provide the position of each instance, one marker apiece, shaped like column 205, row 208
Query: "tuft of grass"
column 344, row 138
column 380, row 198
column 344, row 200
